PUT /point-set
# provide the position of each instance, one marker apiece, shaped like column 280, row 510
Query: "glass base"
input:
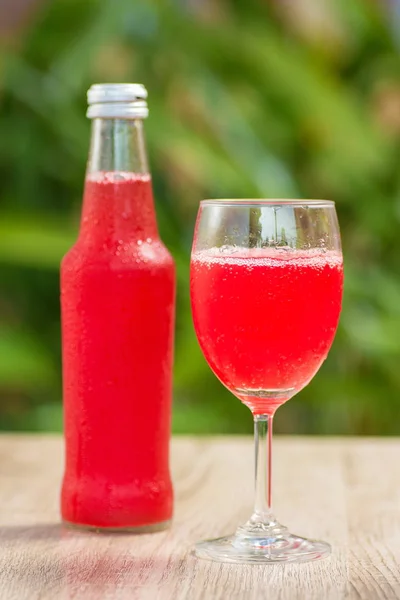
column 262, row 544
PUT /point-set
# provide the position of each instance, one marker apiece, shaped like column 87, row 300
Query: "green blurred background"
column 247, row 98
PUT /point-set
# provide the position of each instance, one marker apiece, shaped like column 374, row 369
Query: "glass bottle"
column 118, row 306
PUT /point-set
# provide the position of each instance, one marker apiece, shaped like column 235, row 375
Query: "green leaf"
column 24, row 365
column 32, row 242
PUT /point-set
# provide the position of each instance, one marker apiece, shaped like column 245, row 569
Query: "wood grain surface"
column 344, row 491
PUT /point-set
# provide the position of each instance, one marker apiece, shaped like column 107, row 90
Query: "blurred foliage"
column 247, row 98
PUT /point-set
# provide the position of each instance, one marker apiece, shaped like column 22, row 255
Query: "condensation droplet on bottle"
column 139, row 242
column 149, row 240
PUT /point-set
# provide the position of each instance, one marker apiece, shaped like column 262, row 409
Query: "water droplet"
column 139, row 242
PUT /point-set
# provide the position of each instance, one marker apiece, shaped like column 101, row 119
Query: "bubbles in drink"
column 268, row 313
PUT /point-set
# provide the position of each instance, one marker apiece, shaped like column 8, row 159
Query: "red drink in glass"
column 266, row 318
column 266, row 290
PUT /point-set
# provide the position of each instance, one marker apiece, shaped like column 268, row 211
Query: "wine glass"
column 266, row 289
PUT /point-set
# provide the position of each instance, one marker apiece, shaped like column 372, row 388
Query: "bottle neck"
column 117, row 145
column 118, row 202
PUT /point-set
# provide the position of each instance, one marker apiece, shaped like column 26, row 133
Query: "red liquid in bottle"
column 266, row 319
column 118, row 295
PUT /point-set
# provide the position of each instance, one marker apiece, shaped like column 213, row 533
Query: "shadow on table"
column 51, row 561
column 56, row 561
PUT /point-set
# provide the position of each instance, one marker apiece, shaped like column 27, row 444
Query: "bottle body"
column 118, row 304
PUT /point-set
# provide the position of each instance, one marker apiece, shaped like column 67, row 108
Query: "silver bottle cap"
column 117, row 101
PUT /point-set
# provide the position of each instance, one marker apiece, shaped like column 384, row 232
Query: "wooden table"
column 345, row 491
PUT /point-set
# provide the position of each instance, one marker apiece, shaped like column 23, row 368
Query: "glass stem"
column 263, row 470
